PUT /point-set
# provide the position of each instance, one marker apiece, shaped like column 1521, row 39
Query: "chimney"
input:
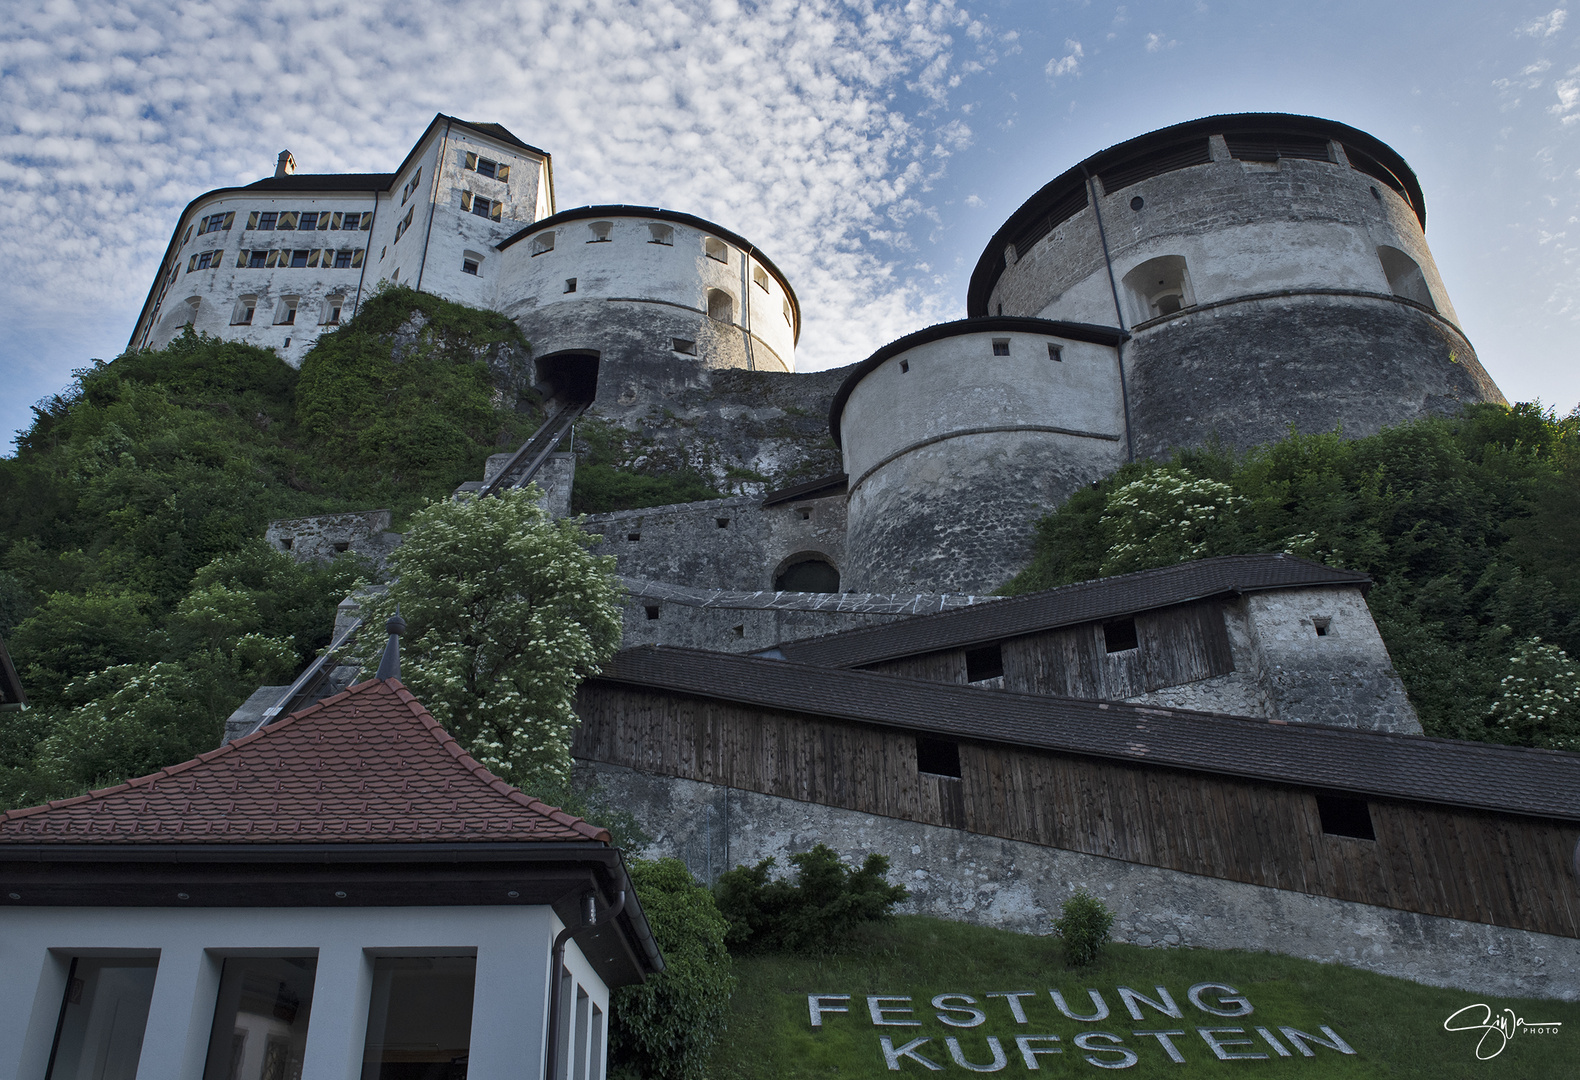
column 285, row 166
column 389, row 666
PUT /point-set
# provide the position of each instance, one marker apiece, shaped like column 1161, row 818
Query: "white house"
column 344, row 893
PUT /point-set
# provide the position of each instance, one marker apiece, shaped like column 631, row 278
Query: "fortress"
column 1220, row 749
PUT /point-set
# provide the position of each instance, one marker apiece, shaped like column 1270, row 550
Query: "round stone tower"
column 653, row 296
column 1271, row 271
column 953, row 437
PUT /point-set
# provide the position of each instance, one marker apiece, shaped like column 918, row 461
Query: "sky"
column 871, row 149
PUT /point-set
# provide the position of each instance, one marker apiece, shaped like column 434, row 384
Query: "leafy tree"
column 665, row 1028
column 813, row 914
column 507, row 611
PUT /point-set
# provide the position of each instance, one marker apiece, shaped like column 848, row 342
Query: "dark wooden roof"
column 1515, row 780
column 1069, row 605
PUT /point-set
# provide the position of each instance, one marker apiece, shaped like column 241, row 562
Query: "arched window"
column 808, row 572
column 600, row 232
column 242, row 314
column 1158, row 287
column 721, row 305
column 662, row 234
column 715, row 249
column 1404, row 276
column 329, row 312
column 542, row 242
column 472, row 263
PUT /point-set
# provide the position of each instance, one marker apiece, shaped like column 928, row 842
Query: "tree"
column 507, row 610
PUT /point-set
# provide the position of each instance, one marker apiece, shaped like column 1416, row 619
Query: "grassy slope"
column 1395, row 1026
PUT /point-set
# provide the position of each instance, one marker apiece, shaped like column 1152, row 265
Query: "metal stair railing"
column 535, row 451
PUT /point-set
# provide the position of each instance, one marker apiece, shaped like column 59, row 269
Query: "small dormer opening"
column 1120, row 635
column 984, row 662
column 940, row 757
column 1345, row 815
column 715, row 249
column 1159, row 287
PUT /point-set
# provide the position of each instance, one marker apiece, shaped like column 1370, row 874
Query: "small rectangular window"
column 905, row 365
column 1321, row 625
column 204, row 260
column 420, row 1017
column 985, row 662
column 941, row 757
column 789, row 315
column 722, row 523
column 103, row 1017
column 715, row 249
column 261, row 1017
column 267, row 220
column 1343, row 815
column 352, row 221
column 243, row 314
column 309, row 222
column 681, row 345
column 760, row 276
column 542, row 243
column 482, row 207
column 299, row 257
column 1001, row 346
column 600, row 232
column 651, row 610
column 1055, row 352
column 1120, row 635
column 343, row 259
column 570, row 284
column 633, row 537
column 405, row 223
column 256, row 259
column 486, row 167
column 469, row 266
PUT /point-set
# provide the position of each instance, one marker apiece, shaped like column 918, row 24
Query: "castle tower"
column 646, row 299
column 1271, row 270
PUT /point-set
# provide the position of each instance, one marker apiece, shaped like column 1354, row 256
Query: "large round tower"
column 656, row 296
column 1271, row 270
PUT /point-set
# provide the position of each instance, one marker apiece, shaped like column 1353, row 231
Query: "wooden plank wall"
column 1176, row 645
column 1490, row 868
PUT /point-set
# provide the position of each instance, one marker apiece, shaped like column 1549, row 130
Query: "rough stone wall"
column 1245, row 373
column 363, row 532
column 1019, row 886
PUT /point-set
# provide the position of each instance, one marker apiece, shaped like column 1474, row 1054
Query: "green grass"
column 1394, row 1026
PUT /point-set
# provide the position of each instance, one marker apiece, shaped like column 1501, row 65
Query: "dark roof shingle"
column 368, row 765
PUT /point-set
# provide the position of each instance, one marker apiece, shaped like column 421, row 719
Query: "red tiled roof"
column 369, row 765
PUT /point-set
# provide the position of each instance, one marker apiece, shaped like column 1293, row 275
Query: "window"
column 760, row 277
column 721, row 305
column 204, row 261
column 722, row 523
column 266, row 220
column 411, row 186
column 329, row 314
column 715, row 249
column 309, row 222
column 299, row 257
column 986, row 662
column 1343, row 815
column 216, row 222
column 1321, row 625
column 486, row 208
column 662, row 234
column 103, row 1017
column 651, row 610
column 1055, row 352
column 1001, row 346
column 570, row 284
column 1404, row 277
column 260, row 1020
column 288, row 219
column 941, row 757
column 405, row 223
column 1120, row 635
column 789, row 315
column 420, row 1017
column 245, row 307
column 355, row 221
column 484, row 167
column 343, row 259
column 681, row 345
column 541, row 243
column 285, row 314
column 905, row 366
column 1158, row 287
column 600, row 231
column 469, row 266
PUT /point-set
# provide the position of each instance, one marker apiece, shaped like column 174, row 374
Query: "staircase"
column 525, row 462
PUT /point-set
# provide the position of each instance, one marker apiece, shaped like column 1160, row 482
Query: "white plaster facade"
column 512, row 947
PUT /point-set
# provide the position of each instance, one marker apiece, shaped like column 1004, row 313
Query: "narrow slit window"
column 1055, row 352
column 1321, row 625
column 941, row 757
column 985, row 662
column 1120, row 635
column 760, row 276
column 905, row 365
column 683, row 345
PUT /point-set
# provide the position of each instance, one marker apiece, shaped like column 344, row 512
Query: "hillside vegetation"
column 1469, row 526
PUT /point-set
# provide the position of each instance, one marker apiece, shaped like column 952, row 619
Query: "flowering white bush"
column 1166, row 517
column 1540, row 699
column 507, row 610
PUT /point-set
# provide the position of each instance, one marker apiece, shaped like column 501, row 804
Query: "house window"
column 1343, row 815
column 1055, row 352
column 715, row 249
column 1001, row 346
column 543, row 242
column 469, row 266
column 986, row 662
column 486, row 167
column 405, row 223
column 570, row 284
column 681, row 345
column 941, row 757
column 216, row 222
column 260, row 1020
column 411, row 186
column 760, row 276
column 299, row 257
column 286, row 313
column 205, row 260
column 353, row 221
column 329, row 313
column 651, row 611
column 485, row 208
column 661, row 234
column 343, row 259
column 245, row 307
column 309, row 222
column 1120, row 635
column 420, row 1016
column 103, row 1017
column 600, row 231
column 267, row 220
column 721, row 305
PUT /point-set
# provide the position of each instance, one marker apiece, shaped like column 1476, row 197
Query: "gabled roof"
column 1542, row 783
column 1068, row 605
column 369, row 765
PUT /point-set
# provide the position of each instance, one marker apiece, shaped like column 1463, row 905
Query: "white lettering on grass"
column 877, row 1010
column 1127, row 1057
column 816, row 1008
column 892, row 1056
column 1165, row 1039
column 1219, row 1046
column 973, row 1016
column 999, row 1060
column 1228, row 996
column 1013, row 997
column 1097, row 1002
column 1030, row 1053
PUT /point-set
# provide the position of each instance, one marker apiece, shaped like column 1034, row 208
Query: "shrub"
column 1083, row 925
column 811, row 915
column 665, row 1028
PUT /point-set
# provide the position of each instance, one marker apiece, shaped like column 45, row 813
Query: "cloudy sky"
column 871, row 148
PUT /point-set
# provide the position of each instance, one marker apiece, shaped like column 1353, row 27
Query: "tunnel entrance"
column 569, row 378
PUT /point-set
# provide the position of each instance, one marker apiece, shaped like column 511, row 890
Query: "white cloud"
column 1546, row 26
column 1155, row 43
column 801, row 124
column 1568, row 91
column 1069, row 63
column 973, row 200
